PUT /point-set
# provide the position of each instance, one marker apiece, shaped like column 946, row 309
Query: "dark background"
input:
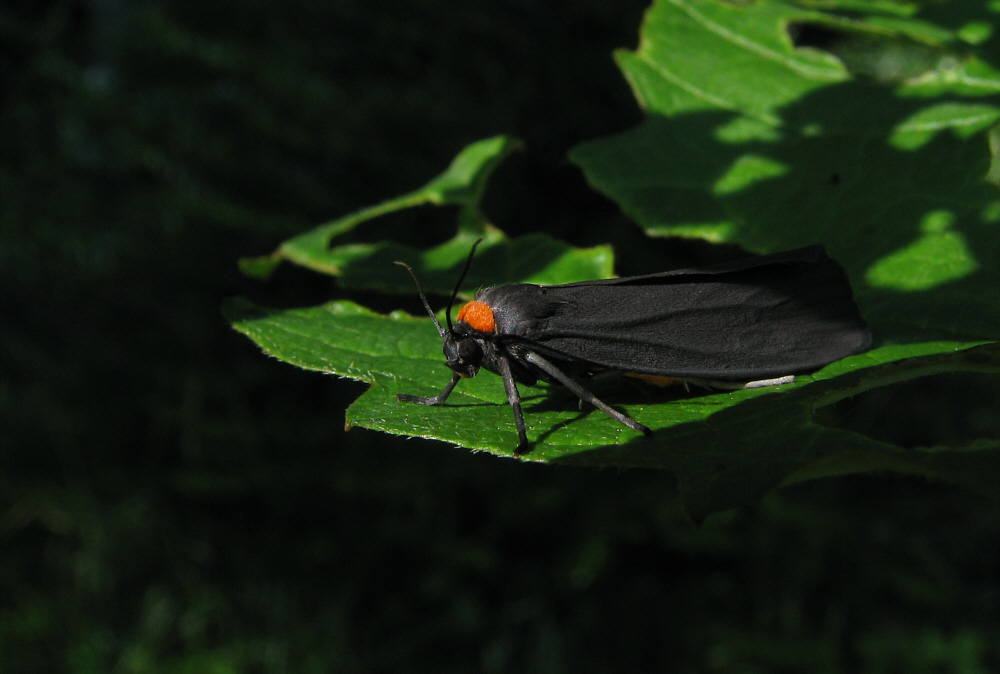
column 175, row 501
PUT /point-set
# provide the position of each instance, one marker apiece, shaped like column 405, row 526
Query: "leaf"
column 726, row 448
column 534, row 258
column 462, row 184
column 797, row 149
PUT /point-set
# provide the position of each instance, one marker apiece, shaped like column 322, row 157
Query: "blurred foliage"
column 173, row 502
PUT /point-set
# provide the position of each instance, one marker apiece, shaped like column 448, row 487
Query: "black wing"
column 763, row 317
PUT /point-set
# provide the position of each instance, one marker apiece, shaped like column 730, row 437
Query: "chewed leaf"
column 534, row 258
column 461, row 184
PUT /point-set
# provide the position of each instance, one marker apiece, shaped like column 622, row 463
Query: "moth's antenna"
column 454, row 294
column 423, row 298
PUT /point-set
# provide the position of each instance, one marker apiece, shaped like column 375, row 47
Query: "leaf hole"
column 421, row 226
column 885, row 56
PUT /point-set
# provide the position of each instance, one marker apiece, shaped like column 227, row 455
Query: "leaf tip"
column 260, row 267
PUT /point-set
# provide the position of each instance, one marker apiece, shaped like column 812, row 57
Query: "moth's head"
column 463, row 350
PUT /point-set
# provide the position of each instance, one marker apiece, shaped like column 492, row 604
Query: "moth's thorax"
column 478, row 316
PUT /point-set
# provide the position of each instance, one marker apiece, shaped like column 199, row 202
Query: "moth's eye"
column 468, row 350
column 462, row 350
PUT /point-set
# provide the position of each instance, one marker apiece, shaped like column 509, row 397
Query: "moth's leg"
column 514, row 398
column 598, row 376
column 582, row 393
column 439, row 398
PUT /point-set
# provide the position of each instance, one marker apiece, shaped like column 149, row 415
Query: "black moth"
column 753, row 322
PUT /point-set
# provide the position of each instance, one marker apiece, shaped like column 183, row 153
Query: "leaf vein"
column 750, row 45
column 703, row 94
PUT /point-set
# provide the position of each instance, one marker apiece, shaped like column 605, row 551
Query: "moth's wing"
column 754, row 319
column 806, row 255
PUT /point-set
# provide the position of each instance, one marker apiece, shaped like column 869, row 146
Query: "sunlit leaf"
column 751, row 139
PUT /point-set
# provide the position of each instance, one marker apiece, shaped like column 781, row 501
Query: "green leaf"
column 461, row 184
column 726, row 448
column 535, row 258
column 754, row 141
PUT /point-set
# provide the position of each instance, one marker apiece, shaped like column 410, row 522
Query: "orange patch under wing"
column 655, row 379
column 478, row 315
